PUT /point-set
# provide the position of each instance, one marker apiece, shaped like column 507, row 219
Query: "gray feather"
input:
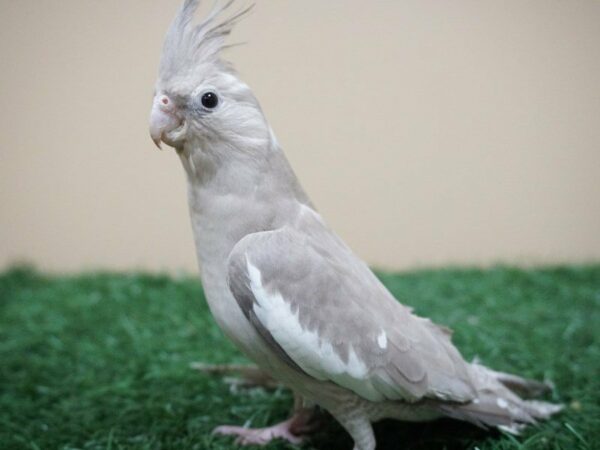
column 522, row 386
column 336, row 296
column 188, row 47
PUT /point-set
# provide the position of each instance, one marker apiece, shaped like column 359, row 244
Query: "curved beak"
column 157, row 141
column 163, row 118
column 156, row 138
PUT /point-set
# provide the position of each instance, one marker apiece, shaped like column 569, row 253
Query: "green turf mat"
column 101, row 360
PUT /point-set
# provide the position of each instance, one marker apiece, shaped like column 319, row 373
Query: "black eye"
column 210, row 100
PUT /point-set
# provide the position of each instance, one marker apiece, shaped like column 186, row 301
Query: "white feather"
column 314, row 355
column 382, row 340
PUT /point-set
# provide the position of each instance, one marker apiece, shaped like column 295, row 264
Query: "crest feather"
column 188, row 46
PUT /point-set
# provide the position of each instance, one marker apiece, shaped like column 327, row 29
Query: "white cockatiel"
column 283, row 286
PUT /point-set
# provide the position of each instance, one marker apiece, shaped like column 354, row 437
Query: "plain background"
column 427, row 132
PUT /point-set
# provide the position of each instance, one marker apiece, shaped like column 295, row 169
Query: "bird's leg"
column 304, row 420
column 245, row 375
column 359, row 427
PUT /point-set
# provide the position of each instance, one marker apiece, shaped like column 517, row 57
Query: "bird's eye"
column 210, row 100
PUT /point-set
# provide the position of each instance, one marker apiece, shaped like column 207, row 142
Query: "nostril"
column 164, row 103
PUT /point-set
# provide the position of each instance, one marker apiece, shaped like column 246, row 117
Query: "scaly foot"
column 304, row 421
column 260, row 436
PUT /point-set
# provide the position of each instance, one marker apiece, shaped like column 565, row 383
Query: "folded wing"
column 325, row 313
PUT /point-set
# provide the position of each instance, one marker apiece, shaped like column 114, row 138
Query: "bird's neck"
column 233, row 192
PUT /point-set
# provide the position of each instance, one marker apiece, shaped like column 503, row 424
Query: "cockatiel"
column 283, row 286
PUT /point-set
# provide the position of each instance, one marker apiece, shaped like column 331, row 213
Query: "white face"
column 219, row 109
column 199, row 102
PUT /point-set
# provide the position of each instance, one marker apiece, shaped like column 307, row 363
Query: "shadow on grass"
column 444, row 434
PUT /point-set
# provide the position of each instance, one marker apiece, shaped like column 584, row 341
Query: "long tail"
column 498, row 403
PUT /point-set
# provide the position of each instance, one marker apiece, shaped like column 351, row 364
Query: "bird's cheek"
column 176, row 137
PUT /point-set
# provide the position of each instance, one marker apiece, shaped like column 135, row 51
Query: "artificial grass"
column 101, row 361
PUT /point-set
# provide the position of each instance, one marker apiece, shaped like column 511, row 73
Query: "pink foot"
column 260, row 436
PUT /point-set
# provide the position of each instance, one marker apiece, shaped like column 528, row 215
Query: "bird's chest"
column 228, row 314
column 216, row 231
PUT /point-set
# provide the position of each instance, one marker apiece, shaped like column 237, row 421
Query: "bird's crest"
column 188, row 46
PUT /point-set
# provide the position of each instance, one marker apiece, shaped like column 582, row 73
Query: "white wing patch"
column 315, row 356
column 502, row 403
column 382, row 340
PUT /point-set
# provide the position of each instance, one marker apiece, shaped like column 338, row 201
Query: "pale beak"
column 163, row 118
column 157, row 140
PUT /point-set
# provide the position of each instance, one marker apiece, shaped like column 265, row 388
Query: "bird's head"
column 199, row 99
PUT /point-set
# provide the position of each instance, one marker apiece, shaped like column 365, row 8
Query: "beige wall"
column 426, row 131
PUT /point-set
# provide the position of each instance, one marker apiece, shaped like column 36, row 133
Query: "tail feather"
column 489, row 410
column 498, row 404
column 542, row 410
column 523, row 387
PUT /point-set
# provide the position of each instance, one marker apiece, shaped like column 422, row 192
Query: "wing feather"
column 325, row 313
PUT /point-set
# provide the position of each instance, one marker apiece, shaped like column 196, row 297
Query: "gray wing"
column 326, row 314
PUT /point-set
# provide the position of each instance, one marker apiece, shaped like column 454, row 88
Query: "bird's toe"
column 259, row 436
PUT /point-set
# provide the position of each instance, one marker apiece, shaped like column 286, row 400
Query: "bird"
column 282, row 286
